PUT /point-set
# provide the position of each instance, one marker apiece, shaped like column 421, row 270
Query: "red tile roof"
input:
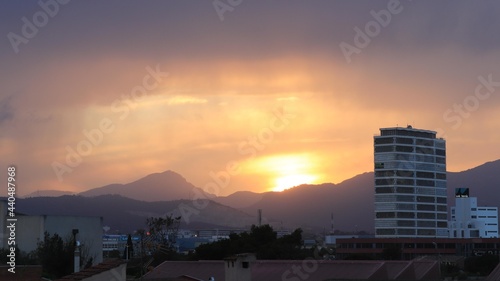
column 197, row 269
column 494, row 275
column 311, row 270
column 94, row 270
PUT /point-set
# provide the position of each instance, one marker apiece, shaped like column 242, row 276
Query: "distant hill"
column 164, row 186
column 352, row 201
column 483, row 182
column 48, row 193
column 126, row 215
column 307, row 206
column 240, row 199
column 311, row 206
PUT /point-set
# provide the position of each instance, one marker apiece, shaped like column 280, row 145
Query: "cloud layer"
column 226, row 79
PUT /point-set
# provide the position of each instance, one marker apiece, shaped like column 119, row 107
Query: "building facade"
column 470, row 221
column 410, row 183
column 30, row 230
column 412, row 248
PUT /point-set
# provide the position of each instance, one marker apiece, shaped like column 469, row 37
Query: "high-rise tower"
column 410, row 183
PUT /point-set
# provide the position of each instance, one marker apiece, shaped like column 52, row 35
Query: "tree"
column 262, row 240
column 164, row 230
column 161, row 237
column 55, row 256
column 129, row 249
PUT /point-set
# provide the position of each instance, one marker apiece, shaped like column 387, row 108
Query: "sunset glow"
column 286, row 171
column 277, row 96
column 286, row 182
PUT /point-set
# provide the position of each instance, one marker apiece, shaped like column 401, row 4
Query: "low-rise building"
column 411, row 248
column 30, row 230
column 470, row 221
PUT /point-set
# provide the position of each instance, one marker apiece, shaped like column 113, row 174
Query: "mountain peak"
column 163, row 186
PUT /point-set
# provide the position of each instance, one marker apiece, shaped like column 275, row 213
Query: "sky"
column 250, row 95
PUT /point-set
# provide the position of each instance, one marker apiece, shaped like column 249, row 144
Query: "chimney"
column 238, row 268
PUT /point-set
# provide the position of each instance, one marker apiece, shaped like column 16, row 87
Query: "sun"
column 288, row 181
column 286, row 171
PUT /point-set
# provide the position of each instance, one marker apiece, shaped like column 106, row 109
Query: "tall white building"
column 410, row 183
column 470, row 221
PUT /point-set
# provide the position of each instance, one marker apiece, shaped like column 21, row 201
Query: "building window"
column 441, row 208
column 440, row 176
column 405, row 190
column 407, row 215
column 404, row 140
column 384, row 190
column 406, row 223
column 425, row 207
column 427, row 175
column 404, row 173
column 386, row 148
column 442, row 216
column 384, row 215
column 425, row 183
column 425, row 142
column 406, row 231
column 384, row 231
column 404, row 182
column 425, row 199
column 426, row 215
column 442, row 224
column 423, row 150
column 400, row 148
column 426, row 224
column 245, row 264
column 441, row 152
column 384, row 140
column 441, row 200
column 430, row 232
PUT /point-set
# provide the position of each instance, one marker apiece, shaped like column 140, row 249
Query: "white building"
column 410, row 184
column 470, row 221
column 29, row 230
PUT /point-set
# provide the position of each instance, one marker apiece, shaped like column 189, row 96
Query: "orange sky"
column 281, row 107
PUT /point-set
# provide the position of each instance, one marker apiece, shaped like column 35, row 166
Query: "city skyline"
column 98, row 93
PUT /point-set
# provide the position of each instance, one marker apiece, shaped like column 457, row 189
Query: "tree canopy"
column 261, row 240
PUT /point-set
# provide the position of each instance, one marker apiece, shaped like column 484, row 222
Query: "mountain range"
column 349, row 203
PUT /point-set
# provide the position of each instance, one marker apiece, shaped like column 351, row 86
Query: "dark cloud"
column 255, row 29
